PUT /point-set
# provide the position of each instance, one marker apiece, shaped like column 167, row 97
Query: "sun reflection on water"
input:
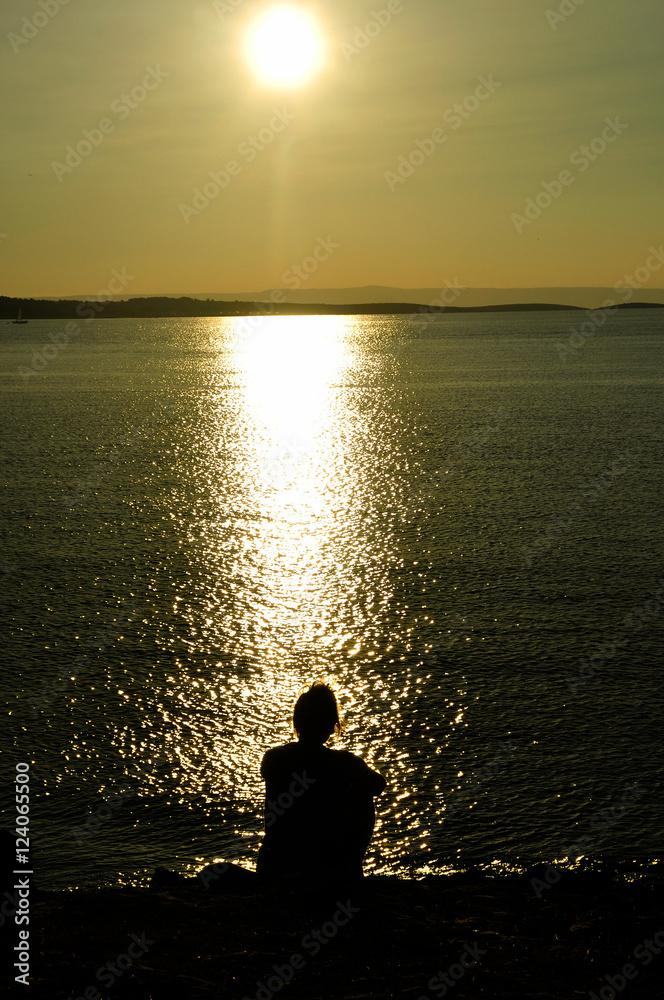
column 290, row 561
column 286, row 518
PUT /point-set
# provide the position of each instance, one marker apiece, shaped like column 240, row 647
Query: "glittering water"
column 446, row 519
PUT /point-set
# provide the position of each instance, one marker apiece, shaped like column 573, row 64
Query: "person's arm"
column 269, row 764
column 365, row 779
column 377, row 781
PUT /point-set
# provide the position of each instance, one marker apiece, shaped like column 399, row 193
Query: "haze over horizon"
column 499, row 146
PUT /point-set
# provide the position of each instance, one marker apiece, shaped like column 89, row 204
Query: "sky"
column 343, row 184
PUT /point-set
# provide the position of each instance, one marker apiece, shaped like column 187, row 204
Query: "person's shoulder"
column 284, row 748
column 349, row 761
column 282, row 752
column 344, row 755
column 358, row 770
column 348, row 756
column 277, row 756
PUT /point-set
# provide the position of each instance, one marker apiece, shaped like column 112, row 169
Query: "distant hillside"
column 451, row 293
column 156, row 307
column 163, row 307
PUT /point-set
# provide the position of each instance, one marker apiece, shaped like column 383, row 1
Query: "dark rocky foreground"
column 488, row 937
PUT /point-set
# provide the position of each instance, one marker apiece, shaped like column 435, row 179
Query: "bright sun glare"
column 285, row 47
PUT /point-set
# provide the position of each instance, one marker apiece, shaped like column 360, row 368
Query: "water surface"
column 444, row 518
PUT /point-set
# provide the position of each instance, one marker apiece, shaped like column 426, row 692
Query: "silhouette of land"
column 452, row 293
column 155, row 307
column 398, row 936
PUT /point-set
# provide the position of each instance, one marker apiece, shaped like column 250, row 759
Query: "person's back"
column 319, row 813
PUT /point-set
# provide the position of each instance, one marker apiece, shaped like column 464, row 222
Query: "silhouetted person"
column 319, row 810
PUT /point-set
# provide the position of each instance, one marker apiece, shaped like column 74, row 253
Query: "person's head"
column 316, row 714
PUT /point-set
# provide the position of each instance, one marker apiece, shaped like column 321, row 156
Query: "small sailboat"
column 19, row 318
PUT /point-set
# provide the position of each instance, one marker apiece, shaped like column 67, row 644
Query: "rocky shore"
column 584, row 936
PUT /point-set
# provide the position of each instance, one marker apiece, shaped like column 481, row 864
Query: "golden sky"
column 502, row 144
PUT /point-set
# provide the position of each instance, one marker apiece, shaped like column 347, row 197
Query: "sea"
column 456, row 520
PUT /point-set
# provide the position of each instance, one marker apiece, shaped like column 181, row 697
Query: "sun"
column 285, row 47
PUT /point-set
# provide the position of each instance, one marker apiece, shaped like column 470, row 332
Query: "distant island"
column 452, row 293
column 163, row 307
